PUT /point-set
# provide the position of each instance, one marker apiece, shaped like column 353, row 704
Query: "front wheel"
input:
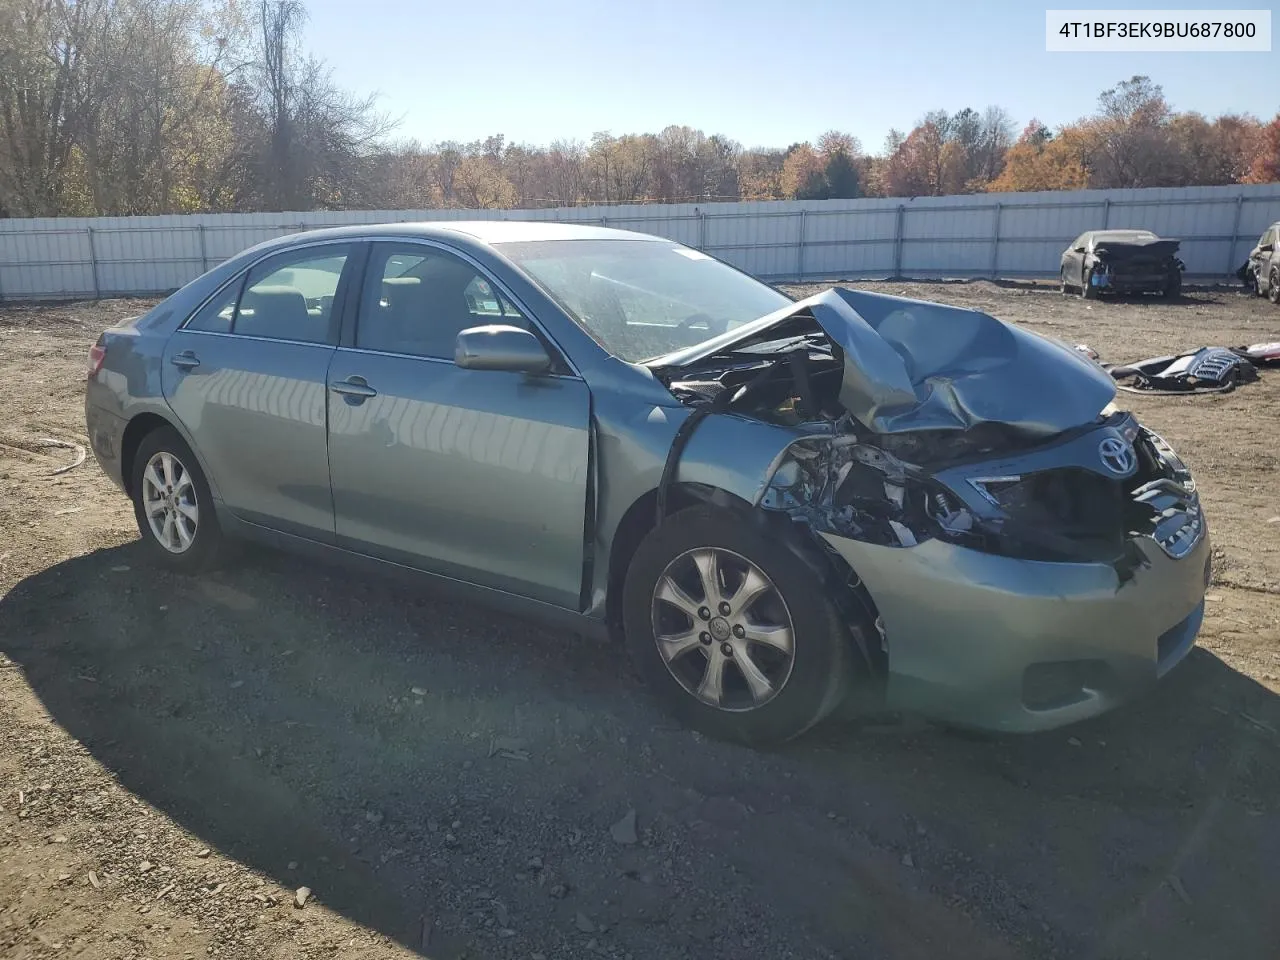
column 1173, row 286
column 1062, row 279
column 1273, row 285
column 1087, row 290
column 172, row 503
column 732, row 631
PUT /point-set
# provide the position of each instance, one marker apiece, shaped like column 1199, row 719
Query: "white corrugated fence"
column 1007, row 235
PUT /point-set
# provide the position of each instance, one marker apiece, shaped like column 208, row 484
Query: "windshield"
column 643, row 298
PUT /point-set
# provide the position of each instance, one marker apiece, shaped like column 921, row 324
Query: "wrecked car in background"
column 1261, row 272
column 773, row 505
column 1121, row 262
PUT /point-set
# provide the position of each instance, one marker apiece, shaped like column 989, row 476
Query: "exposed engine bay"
column 921, row 421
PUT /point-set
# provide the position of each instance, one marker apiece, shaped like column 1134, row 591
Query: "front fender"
column 727, row 452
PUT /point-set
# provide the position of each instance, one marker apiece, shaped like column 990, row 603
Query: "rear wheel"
column 1172, row 286
column 1273, row 285
column 737, row 637
column 172, row 503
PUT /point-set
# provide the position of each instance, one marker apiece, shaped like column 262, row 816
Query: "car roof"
column 1121, row 235
column 484, row 231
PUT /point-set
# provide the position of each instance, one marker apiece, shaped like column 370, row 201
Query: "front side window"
column 643, row 298
column 417, row 299
column 291, row 296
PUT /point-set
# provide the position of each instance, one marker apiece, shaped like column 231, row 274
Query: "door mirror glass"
column 501, row 347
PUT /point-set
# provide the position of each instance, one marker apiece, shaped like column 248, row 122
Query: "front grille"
column 1212, row 366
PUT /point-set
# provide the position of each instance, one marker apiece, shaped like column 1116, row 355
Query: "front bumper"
column 1019, row 645
column 1131, row 283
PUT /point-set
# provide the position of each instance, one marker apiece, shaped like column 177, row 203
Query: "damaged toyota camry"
column 775, row 505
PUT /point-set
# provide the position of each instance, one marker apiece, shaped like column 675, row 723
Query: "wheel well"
column 853, row 598
column 640, row 518
column 137, row 429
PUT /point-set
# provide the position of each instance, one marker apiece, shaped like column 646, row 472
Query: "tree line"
column 124, row 107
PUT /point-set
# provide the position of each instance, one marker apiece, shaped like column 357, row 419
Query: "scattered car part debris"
column 64, row 445
column 1264, row 354
column 1121, row 261
column 1206, row 370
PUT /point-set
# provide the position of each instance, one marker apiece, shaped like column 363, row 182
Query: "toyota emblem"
column 1117, row 456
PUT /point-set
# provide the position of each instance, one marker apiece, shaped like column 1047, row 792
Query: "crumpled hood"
column 915, row 365
column 1144, row 248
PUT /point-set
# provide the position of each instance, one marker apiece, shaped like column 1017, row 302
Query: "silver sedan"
column 773, row 504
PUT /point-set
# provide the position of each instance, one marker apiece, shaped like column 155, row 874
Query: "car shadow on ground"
column 398, row 753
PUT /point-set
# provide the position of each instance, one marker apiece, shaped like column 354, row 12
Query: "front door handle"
column 186, row 360
column 355, row 390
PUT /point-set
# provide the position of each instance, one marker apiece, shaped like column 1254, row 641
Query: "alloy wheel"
column 169, row 502
column 723, row 629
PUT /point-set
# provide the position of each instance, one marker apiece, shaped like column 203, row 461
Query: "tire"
column 804, row 686
column 1062, row 279
column 1273, row 285
column 1173, row 286
column 189, row 508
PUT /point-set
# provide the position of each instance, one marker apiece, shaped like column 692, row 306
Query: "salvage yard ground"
column 178, row 757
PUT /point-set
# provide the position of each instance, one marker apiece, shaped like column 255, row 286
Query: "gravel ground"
column 182, row 756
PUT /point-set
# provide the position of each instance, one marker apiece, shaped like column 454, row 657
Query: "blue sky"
column 764, row 73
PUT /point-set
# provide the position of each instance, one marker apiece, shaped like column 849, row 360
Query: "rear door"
column 480, row 475
column 246, row 376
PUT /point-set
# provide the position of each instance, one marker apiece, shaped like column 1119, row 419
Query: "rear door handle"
column 187, row 360
column 355, row 390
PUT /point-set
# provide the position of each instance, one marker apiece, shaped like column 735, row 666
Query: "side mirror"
column 500, row 347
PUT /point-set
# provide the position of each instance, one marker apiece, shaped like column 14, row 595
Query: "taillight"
column 97, row 353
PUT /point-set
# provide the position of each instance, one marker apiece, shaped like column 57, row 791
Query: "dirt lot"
column 179, row 756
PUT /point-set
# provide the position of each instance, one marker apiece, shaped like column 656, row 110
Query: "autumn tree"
column 802, row 173
column 1041, row 161
column 1265, row 165
column 947, row 153
column 479, row 183
column 760, row 174
column 566, row 172
column 1129, row 137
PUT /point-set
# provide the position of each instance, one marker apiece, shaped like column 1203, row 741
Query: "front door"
column 478, row 475
column 246, row 376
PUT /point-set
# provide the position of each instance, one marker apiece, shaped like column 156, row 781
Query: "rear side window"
column 215, row 316
column 292, row 296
